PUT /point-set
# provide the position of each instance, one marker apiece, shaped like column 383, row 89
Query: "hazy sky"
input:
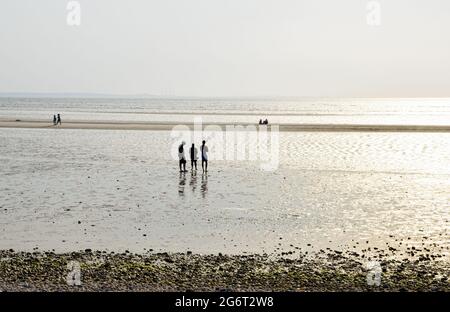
column 227, row 47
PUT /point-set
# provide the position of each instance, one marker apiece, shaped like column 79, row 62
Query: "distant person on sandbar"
column 204, row 150
column 54, row 120
column 58, row 122
column 194, row 156
column 182, row 157
column 260, row 122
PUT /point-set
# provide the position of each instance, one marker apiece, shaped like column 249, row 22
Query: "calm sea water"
column 113, row 189
column 283, row 111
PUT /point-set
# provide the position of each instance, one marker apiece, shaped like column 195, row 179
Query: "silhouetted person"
column 58, row 122
column 182, row 157
column 204, row 150
column 194, row 156
column 260, row 122
column 54, row 120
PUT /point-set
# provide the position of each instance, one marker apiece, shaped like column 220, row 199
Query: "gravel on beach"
column 325, row 271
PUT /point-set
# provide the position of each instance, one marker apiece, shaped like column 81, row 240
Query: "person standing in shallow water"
column 182, row 157
column 58, row 122
column 204, row 150
column 194, row 157
column 54, row 120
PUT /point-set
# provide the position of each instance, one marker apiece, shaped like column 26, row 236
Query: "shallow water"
column 105, row 189
column 432, row 111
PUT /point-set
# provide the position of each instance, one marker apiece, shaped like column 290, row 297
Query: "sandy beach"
column 347, row 192
column 222, row 146
column 169, row 126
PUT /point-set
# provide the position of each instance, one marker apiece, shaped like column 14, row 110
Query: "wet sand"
column 90, row 180
column 117, row 190
column 169, row 126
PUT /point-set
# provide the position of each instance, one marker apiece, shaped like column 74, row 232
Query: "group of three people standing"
column 193, row 151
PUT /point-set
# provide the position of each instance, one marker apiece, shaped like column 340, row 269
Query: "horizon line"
column 149, row 95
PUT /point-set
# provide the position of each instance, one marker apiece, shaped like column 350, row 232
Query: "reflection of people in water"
column 194, row 156
column 204, row 150
column 193, row 181
column 182, row 183
column 204, row 187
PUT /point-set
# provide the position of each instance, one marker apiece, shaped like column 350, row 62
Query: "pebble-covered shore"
column 330, row 271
